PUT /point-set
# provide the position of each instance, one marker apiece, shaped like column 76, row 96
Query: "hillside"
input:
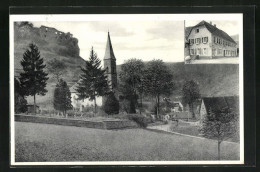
column 213, row 79
column 52, row 44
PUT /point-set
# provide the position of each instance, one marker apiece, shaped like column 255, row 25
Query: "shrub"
column 141, row 120
column 111, row 105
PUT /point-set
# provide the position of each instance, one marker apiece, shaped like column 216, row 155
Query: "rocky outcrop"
column 46, row 36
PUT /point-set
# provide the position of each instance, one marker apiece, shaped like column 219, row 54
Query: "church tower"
column 110, row 66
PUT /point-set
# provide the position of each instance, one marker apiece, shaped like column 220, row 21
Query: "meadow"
column 45, row 142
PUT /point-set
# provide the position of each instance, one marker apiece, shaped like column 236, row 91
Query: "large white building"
column 206, row 41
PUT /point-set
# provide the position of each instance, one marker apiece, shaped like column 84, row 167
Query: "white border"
column 112, row 17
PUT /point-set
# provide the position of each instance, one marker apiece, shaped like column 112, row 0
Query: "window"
column 191, row 51
column 219, row 51
column 205, row 51
column 199, row 51
column 191, row 41
column 197, row 30
column 205, row 39
column 197, row 40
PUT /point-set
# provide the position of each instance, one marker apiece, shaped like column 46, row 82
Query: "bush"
column 141, row 120
column 111, row 105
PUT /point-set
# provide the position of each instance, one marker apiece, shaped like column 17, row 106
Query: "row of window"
column 217, row 40
column 215, row 52
column 199, row 51
column 204, row 40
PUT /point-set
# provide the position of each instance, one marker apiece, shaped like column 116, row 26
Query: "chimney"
column 214, row 25
column 210, row 22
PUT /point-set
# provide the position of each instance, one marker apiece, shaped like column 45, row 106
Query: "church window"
column 197, row 30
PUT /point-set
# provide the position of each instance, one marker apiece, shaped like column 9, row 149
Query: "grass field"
column 44, row 142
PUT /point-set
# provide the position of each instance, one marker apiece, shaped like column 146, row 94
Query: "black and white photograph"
column 211, row 42
column 126, row 89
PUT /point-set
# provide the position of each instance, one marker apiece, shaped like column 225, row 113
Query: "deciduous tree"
column 20, row 101
column 157, row 81
column 191, row 93
column 220, row 125
column 131, row 82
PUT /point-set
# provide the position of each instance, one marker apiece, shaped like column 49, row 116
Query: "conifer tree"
column 62, row 97
column 33, row 79
column 93, row 81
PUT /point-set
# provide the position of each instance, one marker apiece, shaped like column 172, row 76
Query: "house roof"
column 212, row 29
column 187, row 31
column 218, row 103
column 109, row 53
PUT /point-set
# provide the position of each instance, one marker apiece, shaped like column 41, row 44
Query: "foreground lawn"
column 45, row 142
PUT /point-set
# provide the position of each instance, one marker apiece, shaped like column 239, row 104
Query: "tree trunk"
column 193, row 115
column 219, row 150
column 157, row 106
column 34, row 105
column 132, row 106
column 95, row 106
column 141, row 103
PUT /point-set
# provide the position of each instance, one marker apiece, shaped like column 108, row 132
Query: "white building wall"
column 77, row 104
column 199, row 48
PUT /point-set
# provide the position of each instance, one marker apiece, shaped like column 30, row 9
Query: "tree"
column 20, row 101
column 57, row 68
column 220, row 125
column 111, row 105
column 190, row 93
column 93, row 81
column 131, row 81
column 62, row 97
column 157, row 81
column 33, row 79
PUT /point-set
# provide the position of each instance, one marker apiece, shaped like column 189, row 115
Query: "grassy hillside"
column 50, row 48
column 213, row 79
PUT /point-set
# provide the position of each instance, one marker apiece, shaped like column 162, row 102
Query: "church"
column 110, row 67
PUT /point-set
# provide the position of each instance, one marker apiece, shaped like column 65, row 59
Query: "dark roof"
column 214, row 30
column 218, row 103
column 187, row 31
column 109, row 54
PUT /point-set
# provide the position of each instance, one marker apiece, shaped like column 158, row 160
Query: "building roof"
column 218, row 103
column 109, row 53
column 212, row 29
column 187, row 31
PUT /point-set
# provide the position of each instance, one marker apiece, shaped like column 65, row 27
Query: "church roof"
column 109, row 53
column 212, row 29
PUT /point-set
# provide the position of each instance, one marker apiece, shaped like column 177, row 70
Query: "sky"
column 146, row 40
column 141, row 39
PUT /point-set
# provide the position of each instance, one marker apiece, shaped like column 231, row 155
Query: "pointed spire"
column 109, row 53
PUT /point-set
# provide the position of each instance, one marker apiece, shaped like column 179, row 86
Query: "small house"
column 218, row 103
column 30, row 109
